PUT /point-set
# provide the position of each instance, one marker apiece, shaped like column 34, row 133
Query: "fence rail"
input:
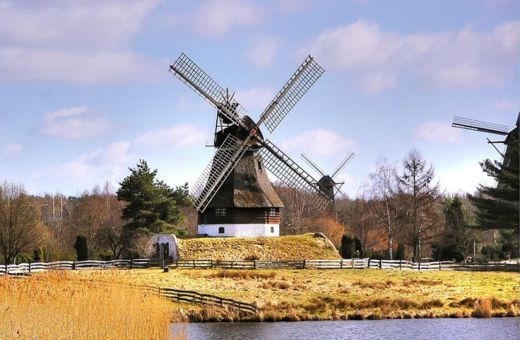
column 27, row 268
column 206, row 299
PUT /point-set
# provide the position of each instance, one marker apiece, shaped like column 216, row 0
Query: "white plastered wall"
column 240, row 230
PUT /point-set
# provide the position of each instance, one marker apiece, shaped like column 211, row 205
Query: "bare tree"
column 416, row 180
column 298, row 210
column 386, row 203
column 19, row 222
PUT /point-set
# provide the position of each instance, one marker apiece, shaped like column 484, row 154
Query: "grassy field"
column 293, row 247
column 339, row 294
column 50, row 306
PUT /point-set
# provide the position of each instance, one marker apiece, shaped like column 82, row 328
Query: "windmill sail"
column 200, row 82
column 290, row 173
column 477, row 125
column 217, row 171
column 299, row 83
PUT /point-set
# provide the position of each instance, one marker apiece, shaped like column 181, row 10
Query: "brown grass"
column 292, row 247
column 48, row 306
column 291, row 294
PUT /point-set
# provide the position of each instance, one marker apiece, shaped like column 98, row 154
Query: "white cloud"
column 506, row 105
column 22, row 64
column 465, row 176
column 256, row 98
column 12, row 150
column 79, row 25
column 218, row 17
column 80, row 41
column 74, row 122
column 319, row 141
column 180, row 136
column 90, row 168
column 437, row 132
column 466, row 58
column 263, row 51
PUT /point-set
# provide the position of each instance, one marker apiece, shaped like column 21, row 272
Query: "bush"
column 81, row 248
column 359, row 247
column 38, row 255
column 23, row 258
column 401, row 252
column 493, row 252
column 348, row 247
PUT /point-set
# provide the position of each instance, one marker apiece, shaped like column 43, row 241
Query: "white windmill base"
column 239, row 230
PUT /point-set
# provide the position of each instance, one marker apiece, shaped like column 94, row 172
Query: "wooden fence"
column 206, row 299
column 27, row 268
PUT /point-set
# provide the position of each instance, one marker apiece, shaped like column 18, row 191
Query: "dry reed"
column 49, row 306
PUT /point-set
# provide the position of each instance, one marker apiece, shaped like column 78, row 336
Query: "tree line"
column 400, row 213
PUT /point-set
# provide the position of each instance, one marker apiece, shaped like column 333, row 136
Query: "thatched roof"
column 247, row 187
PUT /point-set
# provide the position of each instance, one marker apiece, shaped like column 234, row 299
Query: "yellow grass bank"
column 283, row 248
column 339, row 294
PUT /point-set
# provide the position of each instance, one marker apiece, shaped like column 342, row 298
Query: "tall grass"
column 49, row 306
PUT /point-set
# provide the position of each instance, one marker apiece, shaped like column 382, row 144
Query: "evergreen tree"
column 348, row 247
column 456, row 240
column 81, row 248
column 497, row 206
column 358, row 246
column 152, row 206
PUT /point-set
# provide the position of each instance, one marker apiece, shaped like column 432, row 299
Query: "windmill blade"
column 217, row 171
column 342, row 164
column 200, row 82
column 312, row 164
column 299, row 83
column 290, row 173
column 477, row 125
column 338, row 190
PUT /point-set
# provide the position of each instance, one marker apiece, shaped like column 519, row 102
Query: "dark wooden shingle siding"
column 240, row 216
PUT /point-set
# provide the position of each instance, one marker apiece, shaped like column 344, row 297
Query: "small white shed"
column 164, row 246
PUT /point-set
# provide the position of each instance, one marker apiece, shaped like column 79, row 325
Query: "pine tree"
column 152, row 206
column 498, row 206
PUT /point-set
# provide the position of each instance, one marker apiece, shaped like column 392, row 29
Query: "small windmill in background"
column 327, row 182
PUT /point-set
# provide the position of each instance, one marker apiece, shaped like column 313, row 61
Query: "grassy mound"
column 293, row 247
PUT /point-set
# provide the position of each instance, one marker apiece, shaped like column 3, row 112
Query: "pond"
column 495, row 328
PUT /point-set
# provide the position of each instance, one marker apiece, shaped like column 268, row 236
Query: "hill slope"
column 292, row 247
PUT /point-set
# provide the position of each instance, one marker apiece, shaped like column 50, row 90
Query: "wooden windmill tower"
column 233, row 196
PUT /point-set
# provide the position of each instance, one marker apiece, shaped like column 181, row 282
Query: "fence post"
column 341, row 264
column 419, row 265
column 304, row 263
column 73, row 264
column 380, row 264
column 131, row 263
column 439, row 265
column 211, row 263
column 254, row 264
column 401, row 264
column 29, row 267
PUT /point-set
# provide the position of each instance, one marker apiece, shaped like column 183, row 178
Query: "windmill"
column 233, row 195
column 327, row 181
column 511, row 136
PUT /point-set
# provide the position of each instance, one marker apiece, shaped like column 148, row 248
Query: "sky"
column 85, row 90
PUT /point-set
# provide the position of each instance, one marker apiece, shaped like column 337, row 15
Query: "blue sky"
column 85, row 90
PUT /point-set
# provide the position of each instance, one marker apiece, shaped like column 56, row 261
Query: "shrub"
column 81, row 247
column 359, row 247
column 348, row 247
column 401, row 252
column 23, row 258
